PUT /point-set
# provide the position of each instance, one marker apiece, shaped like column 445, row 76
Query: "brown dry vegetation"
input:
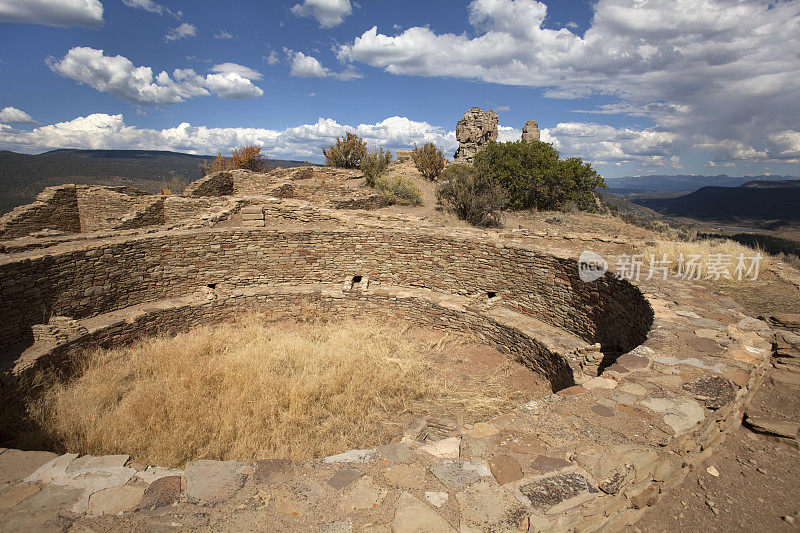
column 246, row 158
column 704, row 250
column 255, row 389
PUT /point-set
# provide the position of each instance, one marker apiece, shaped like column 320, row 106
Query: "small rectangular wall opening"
column 491, row 294
column 212, row 285
column 356, row 279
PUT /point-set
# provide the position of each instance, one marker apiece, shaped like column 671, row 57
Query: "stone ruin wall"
column 56, row 208
column 278, row 271
column 70, row 209
column 181, row 208
column 181, row 212
column 151, row 214
column 101, row 208
column 100, row 278
column 216, row 184
column 283, row 304
column 331, row 194
column 325, row 186
column 300, row 211
column 235, row 183
column 83, row 209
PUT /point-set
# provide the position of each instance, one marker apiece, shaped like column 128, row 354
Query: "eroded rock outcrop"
column 530, row 131
column 475, row 130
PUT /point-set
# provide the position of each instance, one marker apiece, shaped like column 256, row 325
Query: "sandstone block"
column 17, row 464
column 413, row 516
column 115, row 500
column 162, row 491
column 351, row 456
column 505, row 469
column 445, row 448
column 213, row 481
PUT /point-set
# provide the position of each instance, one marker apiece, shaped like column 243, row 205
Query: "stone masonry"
column 647, row 377
column 591, row 457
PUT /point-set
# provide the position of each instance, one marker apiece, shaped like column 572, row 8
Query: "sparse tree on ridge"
column 347, row 152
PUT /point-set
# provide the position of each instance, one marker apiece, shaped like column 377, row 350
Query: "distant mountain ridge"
column 23, row 176
column 687, row 182
column 117, row 153
column 768, row 184
column 753, row 200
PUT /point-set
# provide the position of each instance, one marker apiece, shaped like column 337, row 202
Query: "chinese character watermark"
column 690, row 267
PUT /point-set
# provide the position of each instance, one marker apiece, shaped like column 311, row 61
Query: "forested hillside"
column 752, row 201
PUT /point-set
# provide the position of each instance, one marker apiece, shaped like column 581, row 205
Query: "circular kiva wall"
column 87, row 280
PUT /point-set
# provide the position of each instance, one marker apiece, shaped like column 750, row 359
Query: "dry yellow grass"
column 256, row 390
column 722, row 252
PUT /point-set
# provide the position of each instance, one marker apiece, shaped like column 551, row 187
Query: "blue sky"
column 636, row 87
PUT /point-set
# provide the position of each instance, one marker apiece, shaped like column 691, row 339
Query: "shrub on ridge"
column 535, row 177
column 429, row 160
column 374, row 164
column 246, row 158
column 472, row 195
column 398, row 190
column 347, row 152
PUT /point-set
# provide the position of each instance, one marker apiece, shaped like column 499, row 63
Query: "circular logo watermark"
column 591, row 266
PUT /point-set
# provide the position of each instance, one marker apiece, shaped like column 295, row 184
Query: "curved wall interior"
column 95, row 279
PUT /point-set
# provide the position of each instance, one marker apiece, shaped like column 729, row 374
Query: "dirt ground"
column 767, row 295
column 758, row 486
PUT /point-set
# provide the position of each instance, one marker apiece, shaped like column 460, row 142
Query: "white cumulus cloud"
column 272, row 58
column 600, row 144
column 10, row 115
column 223, row 34
column 304, row 66
column 230, row 85
column 733, row 150
column 787, row 143
column 235, row 68
column 117, row 75
column 87, row 13
column 714, row 73
column 593, row 142
column 508, row 134
column 328, row 13
column 183, row 31
column 101, row 131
